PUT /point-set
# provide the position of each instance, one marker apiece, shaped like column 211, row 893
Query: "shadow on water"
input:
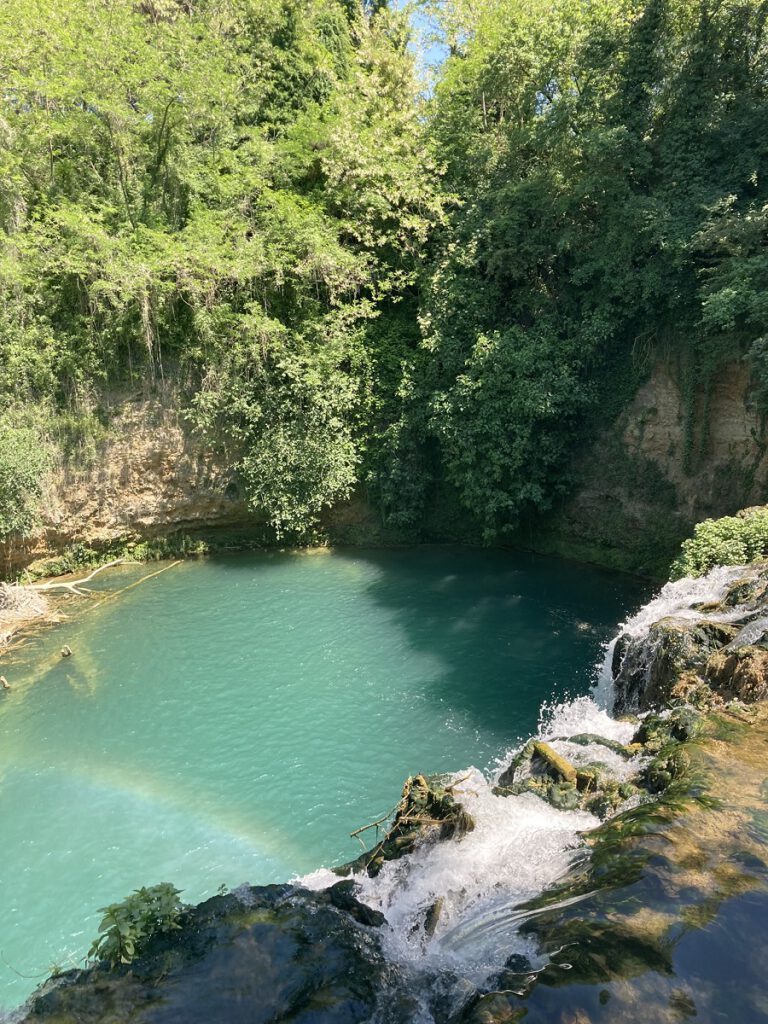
column 504, row 624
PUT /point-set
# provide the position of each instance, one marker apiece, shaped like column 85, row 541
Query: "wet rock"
column 669, row 766
column 284, row 954
column 564, row 796
column 609, row 798
column 493, row 1008
column 749, row 592
column 657, row 731
column 432, row 917
column 619, row 652
column 537, row 759
column 511, row 774
column 670, row 653
column 342, row 895
column 588, row 778
column 427, row 811
column 740, row 673
column 518, row 964
column 587, row 739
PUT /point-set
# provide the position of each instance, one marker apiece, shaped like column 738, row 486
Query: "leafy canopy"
column 608, row 168
column 223, row 193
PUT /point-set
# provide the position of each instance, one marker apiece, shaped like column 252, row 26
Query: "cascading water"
column 682, row 599
column 453, row 908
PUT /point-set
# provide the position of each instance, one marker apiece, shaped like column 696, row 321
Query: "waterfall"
column 519, row 847
column 687, row 598
column 453, row 908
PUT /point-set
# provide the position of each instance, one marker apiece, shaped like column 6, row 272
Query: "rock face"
column 149, row 476
column 716, row 658
column 660, row 467
column 152, row 476
column 263, row 956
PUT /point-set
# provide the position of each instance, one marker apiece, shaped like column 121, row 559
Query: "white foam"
column 520, row 845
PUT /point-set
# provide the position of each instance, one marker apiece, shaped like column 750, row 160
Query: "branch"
column 75, row 586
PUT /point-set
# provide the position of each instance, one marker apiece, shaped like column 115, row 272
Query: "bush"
column 23, row 459
column 127, row 927
column 732, row 540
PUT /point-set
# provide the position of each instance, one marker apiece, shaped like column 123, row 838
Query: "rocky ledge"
column 715, row 653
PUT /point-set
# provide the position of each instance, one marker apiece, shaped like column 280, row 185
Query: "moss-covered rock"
column 588, row 739
column 427, row 811
column 493, row 1008
column 268, row 955
column 670, row 765
column 673, row 653
column 741, row 673
column 681, row 723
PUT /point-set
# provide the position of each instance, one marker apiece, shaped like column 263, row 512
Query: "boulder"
column 267, row 955
column 673, row 652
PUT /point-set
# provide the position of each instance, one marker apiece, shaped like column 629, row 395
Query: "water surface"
column 236, row 718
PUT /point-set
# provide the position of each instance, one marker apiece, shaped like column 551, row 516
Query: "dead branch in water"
column 76, row 586
column 151, row 576
column 25, row 605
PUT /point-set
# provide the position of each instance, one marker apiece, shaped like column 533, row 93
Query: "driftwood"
column 19, row 607
column 76, row 586
column 23, row 605
column 426, row 809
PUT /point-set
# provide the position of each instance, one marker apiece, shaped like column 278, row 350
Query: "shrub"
column 127, row 927
column 732, row 540
column 23, row 459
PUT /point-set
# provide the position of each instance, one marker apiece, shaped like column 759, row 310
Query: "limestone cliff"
column 663, row 465
column 149, row 476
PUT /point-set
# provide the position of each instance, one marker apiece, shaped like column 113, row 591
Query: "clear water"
column 235, row 719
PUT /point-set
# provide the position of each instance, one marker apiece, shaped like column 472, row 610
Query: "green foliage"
column 732, row 540
column 607, row 166
column 128, row 927
column 24, row 458
column 353, row 285
column 78, row 557
column 223, row 191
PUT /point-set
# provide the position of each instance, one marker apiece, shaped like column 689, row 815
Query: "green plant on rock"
column 126, row 928
column 732, row 540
